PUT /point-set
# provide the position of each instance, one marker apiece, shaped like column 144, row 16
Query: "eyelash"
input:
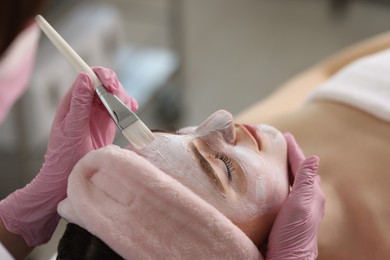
column 228, row 163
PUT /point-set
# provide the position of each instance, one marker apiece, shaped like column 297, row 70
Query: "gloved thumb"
column 81, row 103
column 110, row 80
column 304, row 179
column 295, row 153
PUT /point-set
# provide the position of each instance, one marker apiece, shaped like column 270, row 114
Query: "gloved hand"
column 294, row 233
column 81, row 124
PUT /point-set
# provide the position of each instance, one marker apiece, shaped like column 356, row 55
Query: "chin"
column 258, row 230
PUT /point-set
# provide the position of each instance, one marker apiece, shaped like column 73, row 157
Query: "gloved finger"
column 102, row 128
column 305, row 178
column 295, row 153
column 107, row 77
column 81, row 104
column 65, row 104
column 102, row 125
column 111, row 82
column 63, row 107
column 319, row 196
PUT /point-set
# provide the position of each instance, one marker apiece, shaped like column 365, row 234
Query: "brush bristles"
column 138, row 134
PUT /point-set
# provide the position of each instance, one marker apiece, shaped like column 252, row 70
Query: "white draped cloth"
column 364, row 84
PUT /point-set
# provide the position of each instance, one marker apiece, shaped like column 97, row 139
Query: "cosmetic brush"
column 135, row 131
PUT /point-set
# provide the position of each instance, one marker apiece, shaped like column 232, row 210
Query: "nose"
column 220, row 121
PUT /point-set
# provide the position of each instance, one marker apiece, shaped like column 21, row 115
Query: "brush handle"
column 73, row 58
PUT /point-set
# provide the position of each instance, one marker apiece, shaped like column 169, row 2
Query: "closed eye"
column 228, row 164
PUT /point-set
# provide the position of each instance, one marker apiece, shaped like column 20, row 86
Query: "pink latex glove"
column 81, row 124
column 294, row 233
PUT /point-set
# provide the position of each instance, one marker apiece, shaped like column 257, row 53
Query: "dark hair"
column 78, row 244
column 14, row 17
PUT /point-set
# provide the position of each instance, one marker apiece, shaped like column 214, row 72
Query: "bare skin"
column 354, row 152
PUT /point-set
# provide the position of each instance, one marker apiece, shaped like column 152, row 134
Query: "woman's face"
column 239, row 169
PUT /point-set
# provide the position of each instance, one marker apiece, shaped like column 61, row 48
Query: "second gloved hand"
column 81, row 124
column 294, row 233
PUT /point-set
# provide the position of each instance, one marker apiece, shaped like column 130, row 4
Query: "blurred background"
column 181, row 59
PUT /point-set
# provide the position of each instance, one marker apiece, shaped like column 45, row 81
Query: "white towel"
column 143, row 213
column 364, row 84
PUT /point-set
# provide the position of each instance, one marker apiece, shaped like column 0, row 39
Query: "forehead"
column 168, row 151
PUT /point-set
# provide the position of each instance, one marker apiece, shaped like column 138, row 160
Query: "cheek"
column 277, row 184
column 266, row 188
column 267, row 180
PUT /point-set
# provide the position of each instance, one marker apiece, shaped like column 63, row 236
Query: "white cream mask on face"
column 16, row 65
column 250, row 190
column 174, row 154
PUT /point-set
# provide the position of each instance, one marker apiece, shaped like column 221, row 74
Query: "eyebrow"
column 206, row 166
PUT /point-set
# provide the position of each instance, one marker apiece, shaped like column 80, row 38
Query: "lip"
column 253, row 132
